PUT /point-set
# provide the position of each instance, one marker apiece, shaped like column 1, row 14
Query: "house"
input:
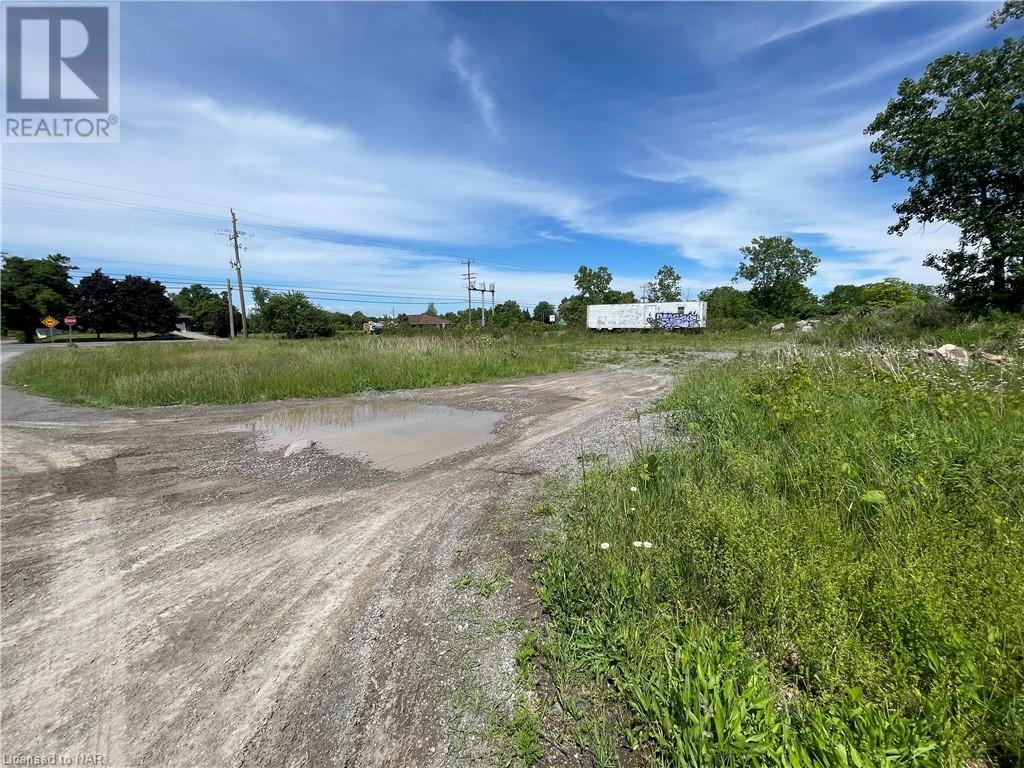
column 183, row 323
column 432, row 320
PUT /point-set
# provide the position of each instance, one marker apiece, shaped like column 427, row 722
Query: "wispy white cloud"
column 773, row 182
column 933, row 45
column 458, row 55
column 328, row 182
column 835, row 12
column 545, row 234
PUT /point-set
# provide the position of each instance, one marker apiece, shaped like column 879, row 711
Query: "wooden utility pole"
column 231, row 311
column 469, row 286
column 237, row 264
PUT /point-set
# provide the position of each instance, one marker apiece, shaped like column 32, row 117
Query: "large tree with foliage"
column 295, row 316
column 665, row 286
column 593, row 284
column 143, row 305
column 957, row 136
column 725, row 301
column 207, row 308
column 777, row 270
column 508, row 314
column 542, row 311
column 30, row 289
column 96, row 305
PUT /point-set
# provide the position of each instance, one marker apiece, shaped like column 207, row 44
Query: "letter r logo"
column 57, row 59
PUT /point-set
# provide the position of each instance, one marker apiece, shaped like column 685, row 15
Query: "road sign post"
column 50, row 322
column 70, row 321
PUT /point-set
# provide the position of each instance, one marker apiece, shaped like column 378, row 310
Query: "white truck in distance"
column 668, row 315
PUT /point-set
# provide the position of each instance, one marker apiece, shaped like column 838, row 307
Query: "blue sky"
column 369, row 148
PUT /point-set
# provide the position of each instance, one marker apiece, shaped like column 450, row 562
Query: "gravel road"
column 175, row 594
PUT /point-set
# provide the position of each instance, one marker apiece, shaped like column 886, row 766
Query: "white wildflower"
column 605, row 545
column 638, row 543
column 647, row 545
column 633, row 489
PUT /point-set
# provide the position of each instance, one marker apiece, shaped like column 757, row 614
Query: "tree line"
column 34, row 288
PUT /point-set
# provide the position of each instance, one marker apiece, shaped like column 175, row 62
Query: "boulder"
column 778, row 327
column 954, row 354
column 806, row 328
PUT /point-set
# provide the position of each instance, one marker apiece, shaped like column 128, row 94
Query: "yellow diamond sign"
column 50, row 322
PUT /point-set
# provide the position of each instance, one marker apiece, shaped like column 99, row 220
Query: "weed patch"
column 828, row 574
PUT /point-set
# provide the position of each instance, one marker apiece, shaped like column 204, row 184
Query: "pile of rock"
column 951, row 353
column 804, row 326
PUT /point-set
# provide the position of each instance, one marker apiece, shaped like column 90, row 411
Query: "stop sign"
column 69, row 321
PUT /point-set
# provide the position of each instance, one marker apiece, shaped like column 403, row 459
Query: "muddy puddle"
column 393, row 434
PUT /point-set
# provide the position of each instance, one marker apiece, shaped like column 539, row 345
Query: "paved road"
column 11, row 349
column 175, row 594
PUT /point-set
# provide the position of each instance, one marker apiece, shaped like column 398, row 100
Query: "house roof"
column 427, row 320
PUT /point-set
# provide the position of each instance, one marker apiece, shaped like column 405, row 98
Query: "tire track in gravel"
column 165, row 605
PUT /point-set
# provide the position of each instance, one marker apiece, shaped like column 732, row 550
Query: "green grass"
column 833, row 578
column 258, row 369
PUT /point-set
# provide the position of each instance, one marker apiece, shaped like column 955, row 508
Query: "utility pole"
column 469, row 286
column 483, row 302
column 237, row 264
column 231, row 311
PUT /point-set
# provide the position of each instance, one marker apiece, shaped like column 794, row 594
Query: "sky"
column 369, row 149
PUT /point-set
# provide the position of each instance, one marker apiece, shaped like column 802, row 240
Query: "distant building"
column 184, row 322
column 434, row 320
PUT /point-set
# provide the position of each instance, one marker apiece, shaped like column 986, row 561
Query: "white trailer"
column 668, row 315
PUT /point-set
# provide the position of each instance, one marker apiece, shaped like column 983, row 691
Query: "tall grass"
column 260, row 369
column 828, row 573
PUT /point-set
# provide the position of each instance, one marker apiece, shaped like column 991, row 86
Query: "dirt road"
column 176, row 593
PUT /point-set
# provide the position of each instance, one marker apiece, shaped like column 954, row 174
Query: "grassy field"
column 142, row 373
column 257, row 369
column 826, row 571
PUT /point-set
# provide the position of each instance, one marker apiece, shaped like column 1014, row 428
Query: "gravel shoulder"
column 172, row 595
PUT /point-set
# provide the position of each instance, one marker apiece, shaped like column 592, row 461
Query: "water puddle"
column 393, row 434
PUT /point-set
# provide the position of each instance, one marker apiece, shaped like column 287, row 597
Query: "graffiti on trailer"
column 670, row 320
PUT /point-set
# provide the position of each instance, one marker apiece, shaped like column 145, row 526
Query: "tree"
column 726, row 301
column 207, row 309
column 30, row 289
column 957, row 136
column 593, row 284
column 890, row 292
column 431, row 309
column 507, row 314
column 542, row 311
column 777, row 270
column 843, row 298
column 143, row 305
column 573, row 311
column 665, row 286
column 295, row 316
column 217, row 323
column 1012, row 9
column 96, row 303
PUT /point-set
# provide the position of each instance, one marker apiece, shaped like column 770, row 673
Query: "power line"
column 296, row 228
